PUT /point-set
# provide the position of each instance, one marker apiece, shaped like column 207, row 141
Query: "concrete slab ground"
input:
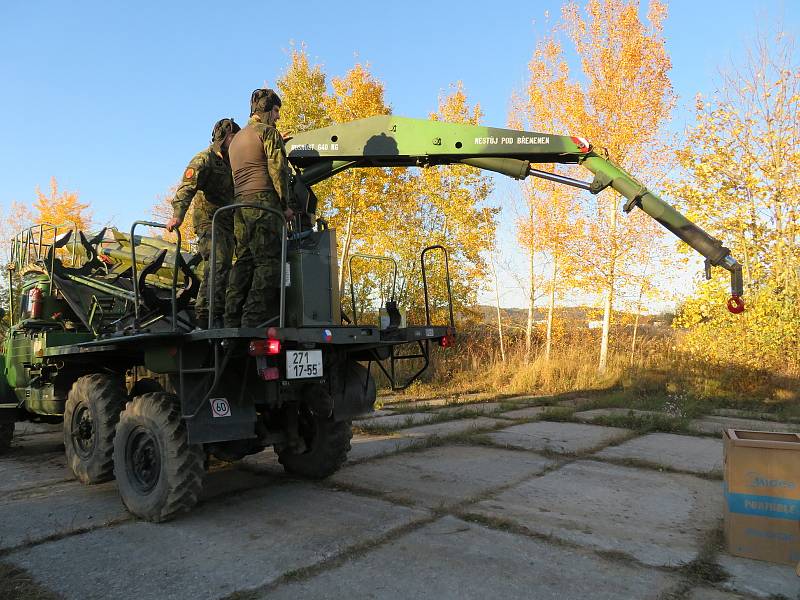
column 21, row 470
column 265, row 463
column 64, row 508
column 363, row 447
column 576, row 403
column 658, row 518
column 526, row 399
column 243, row 543
column 257, row 529
column 366, row 447
column 28, row 428
column 58, row 510
column 396, row 421
column 524, row 413
column 381, row 412
column 743, row 414
column 442, row 476
column 41, row 442
column 587, row 416
column 454, row 559
column 451, row 427
column 483, row 408
column 759, row 578
column 681, row 452
column 564, row 438
column 715, row 425
column 707, row 593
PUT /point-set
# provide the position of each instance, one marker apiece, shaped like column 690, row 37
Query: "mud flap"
column 358, row 396
column 222, row 419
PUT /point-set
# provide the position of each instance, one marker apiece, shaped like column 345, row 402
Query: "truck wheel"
column 158, row 472
column 327, row 445
column 90, row 416
column 6, row 435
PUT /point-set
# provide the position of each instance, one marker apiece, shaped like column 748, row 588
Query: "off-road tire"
column 328, row 443
column 158, row 472
column 90, row 418
column 6, row 435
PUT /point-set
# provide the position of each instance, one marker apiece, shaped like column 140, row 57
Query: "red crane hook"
column 736, row 304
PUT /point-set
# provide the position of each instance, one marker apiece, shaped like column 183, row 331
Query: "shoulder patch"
column 189, row 173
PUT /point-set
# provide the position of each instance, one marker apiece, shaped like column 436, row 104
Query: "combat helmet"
column 262, row 100
column 221, row 130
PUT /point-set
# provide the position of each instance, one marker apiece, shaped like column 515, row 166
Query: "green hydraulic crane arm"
column 389, row 141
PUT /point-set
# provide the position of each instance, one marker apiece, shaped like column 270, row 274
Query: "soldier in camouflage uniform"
column 208, row 181
column 260, row 176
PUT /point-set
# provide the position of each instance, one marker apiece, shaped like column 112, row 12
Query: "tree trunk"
column 529, row 326
column 550, row 306
column 607, row 305
column 497, row 307
column 348, row 238
column 610, row 283
column 635, row 330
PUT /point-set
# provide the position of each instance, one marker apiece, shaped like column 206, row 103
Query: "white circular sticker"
column 220, row 407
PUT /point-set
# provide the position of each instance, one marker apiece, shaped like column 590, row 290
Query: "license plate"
column 301, row 364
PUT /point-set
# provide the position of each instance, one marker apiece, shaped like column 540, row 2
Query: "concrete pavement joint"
column 130, row 518
column 26, row 493
column 66, row 534
column 355, row 551
column 646, row 464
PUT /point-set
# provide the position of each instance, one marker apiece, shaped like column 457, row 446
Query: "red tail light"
column 447, row 341
column 264, row 347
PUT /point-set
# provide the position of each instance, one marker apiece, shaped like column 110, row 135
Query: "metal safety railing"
column 447, row 280
column 30, row 248
column 175, row 267
column 352, row 288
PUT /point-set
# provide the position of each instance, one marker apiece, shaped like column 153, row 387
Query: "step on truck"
column 103, row 338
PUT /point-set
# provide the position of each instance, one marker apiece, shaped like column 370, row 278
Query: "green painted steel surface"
column 399, row 140
column 386, row 141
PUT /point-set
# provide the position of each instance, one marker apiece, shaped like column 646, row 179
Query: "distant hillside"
column 582, row 314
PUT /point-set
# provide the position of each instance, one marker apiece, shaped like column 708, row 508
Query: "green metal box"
column 312, row 293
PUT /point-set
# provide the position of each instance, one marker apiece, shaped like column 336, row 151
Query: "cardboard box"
column 762, row 495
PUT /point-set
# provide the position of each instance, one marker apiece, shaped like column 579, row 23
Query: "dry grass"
column 657, row 378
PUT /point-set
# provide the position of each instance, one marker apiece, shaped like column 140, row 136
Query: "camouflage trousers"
column 254, row 284
column 224, row 256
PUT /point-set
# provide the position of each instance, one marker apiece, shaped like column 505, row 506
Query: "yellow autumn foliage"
column 740, row 179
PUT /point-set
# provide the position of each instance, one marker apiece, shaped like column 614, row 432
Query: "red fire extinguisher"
column 35, row 303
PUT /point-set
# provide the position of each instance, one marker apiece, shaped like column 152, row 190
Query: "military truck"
column 103, row 337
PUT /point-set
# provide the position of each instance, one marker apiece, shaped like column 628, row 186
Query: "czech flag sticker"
column 327, row 335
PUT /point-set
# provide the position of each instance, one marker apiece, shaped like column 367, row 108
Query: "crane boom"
column 390, row 141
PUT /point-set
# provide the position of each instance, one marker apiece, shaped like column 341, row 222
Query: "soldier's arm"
column 194, row 177
column 277, row 165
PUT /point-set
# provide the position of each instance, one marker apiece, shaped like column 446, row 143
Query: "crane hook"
column 736, row 304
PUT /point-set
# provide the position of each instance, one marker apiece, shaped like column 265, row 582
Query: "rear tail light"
column 264, row 347
column 447, row 341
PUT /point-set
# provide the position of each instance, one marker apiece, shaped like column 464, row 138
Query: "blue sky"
column 113, row 98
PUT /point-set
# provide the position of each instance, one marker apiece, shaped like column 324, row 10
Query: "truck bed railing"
column 175, row 267
column 352, row 287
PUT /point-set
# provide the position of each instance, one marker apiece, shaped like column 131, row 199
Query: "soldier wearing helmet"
column 260, row 176
column 208, row 181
